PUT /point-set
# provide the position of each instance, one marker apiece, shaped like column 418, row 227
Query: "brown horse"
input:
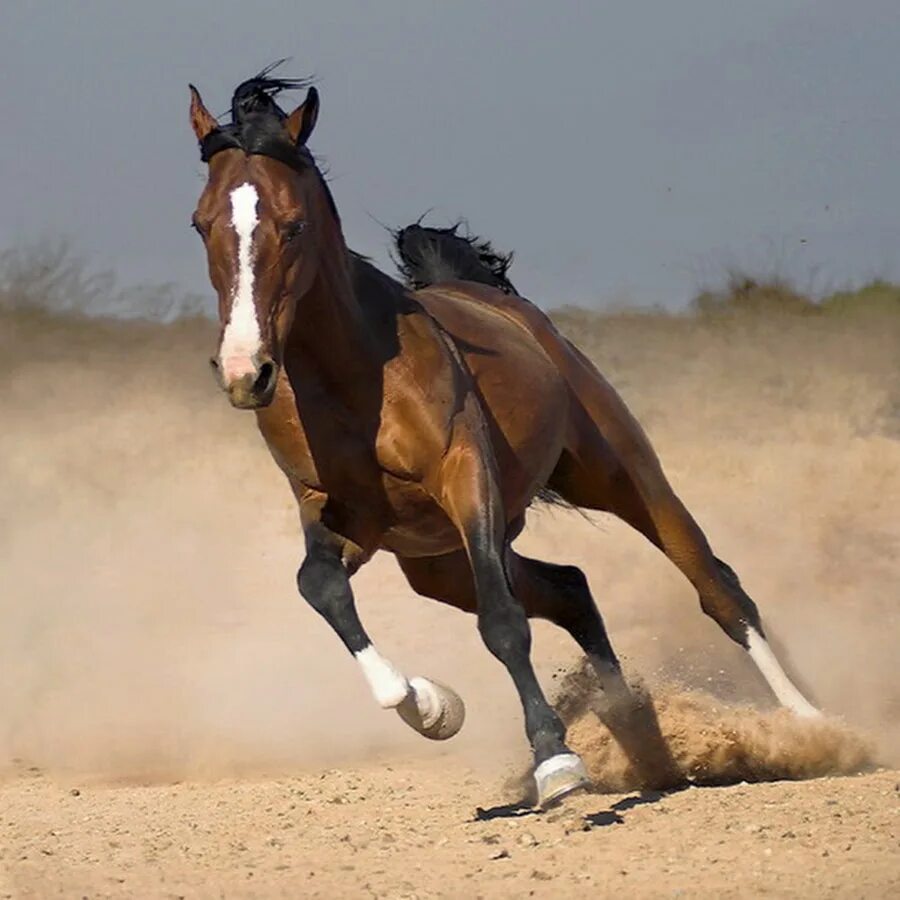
column 424, row 423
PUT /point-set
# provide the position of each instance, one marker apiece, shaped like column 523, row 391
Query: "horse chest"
column 343, row 464
column 321, row 449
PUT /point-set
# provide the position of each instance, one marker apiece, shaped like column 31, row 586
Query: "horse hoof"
column 434, row 710
column 558, row 777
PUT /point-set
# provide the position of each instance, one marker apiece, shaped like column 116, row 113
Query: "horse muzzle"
column 249, row 382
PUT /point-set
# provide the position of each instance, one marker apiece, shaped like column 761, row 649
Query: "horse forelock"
column 257, row 123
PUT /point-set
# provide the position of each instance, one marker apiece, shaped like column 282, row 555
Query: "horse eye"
column 294, row 229
column 198, row 227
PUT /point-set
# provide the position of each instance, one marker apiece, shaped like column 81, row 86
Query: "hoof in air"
column 434, row 710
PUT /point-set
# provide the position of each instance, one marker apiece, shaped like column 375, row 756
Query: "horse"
column 424, row 423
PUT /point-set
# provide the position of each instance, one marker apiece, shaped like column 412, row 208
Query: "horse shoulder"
column 421, row 393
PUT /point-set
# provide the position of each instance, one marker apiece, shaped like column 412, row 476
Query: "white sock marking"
column 783, row 688
column 389, row 686
column 241, row 339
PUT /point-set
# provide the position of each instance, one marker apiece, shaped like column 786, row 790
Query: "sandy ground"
column 175, row 722
column 420, row 829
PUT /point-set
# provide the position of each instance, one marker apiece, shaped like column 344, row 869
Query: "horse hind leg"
column 722, row 597
column 757, row 644
column 632, row 486
column 560, row 594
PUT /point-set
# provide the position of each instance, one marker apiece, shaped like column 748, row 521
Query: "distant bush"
column 876, row 296
column 746, row 293
column 49, row 275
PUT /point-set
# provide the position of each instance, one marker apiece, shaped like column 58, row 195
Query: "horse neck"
column 329, row 328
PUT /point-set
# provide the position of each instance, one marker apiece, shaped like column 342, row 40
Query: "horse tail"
column 428, row 256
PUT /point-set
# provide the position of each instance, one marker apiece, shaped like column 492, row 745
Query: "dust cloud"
column 148, row 548
column 705, row 740
column 713, row 743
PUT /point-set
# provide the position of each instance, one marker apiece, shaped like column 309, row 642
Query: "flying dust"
column 148, row 544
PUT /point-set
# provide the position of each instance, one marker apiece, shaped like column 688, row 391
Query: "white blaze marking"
column 783, row 688
column 389, row 686
column 241, row 339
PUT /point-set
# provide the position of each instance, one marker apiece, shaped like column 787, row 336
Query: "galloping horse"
column 424, row 423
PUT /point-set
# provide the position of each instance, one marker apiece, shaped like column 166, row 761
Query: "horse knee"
column 504, row 629
column 321, row 580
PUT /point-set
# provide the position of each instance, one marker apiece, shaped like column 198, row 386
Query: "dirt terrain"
column 418, row 829
column 175, row 722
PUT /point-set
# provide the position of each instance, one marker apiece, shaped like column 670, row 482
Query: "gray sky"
column 625, row 151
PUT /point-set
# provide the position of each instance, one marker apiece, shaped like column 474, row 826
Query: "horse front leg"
column 432, row 709
column 470, row 494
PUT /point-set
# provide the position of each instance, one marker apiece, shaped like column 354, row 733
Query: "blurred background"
column 628, row 152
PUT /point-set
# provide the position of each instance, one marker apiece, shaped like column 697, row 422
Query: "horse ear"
column 302, row 120
column 202, row 120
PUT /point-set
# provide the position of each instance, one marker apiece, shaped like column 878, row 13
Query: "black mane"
column 257, row 122
column 430, row 255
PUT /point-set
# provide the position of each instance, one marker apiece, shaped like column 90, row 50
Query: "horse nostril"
column 265, row 379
